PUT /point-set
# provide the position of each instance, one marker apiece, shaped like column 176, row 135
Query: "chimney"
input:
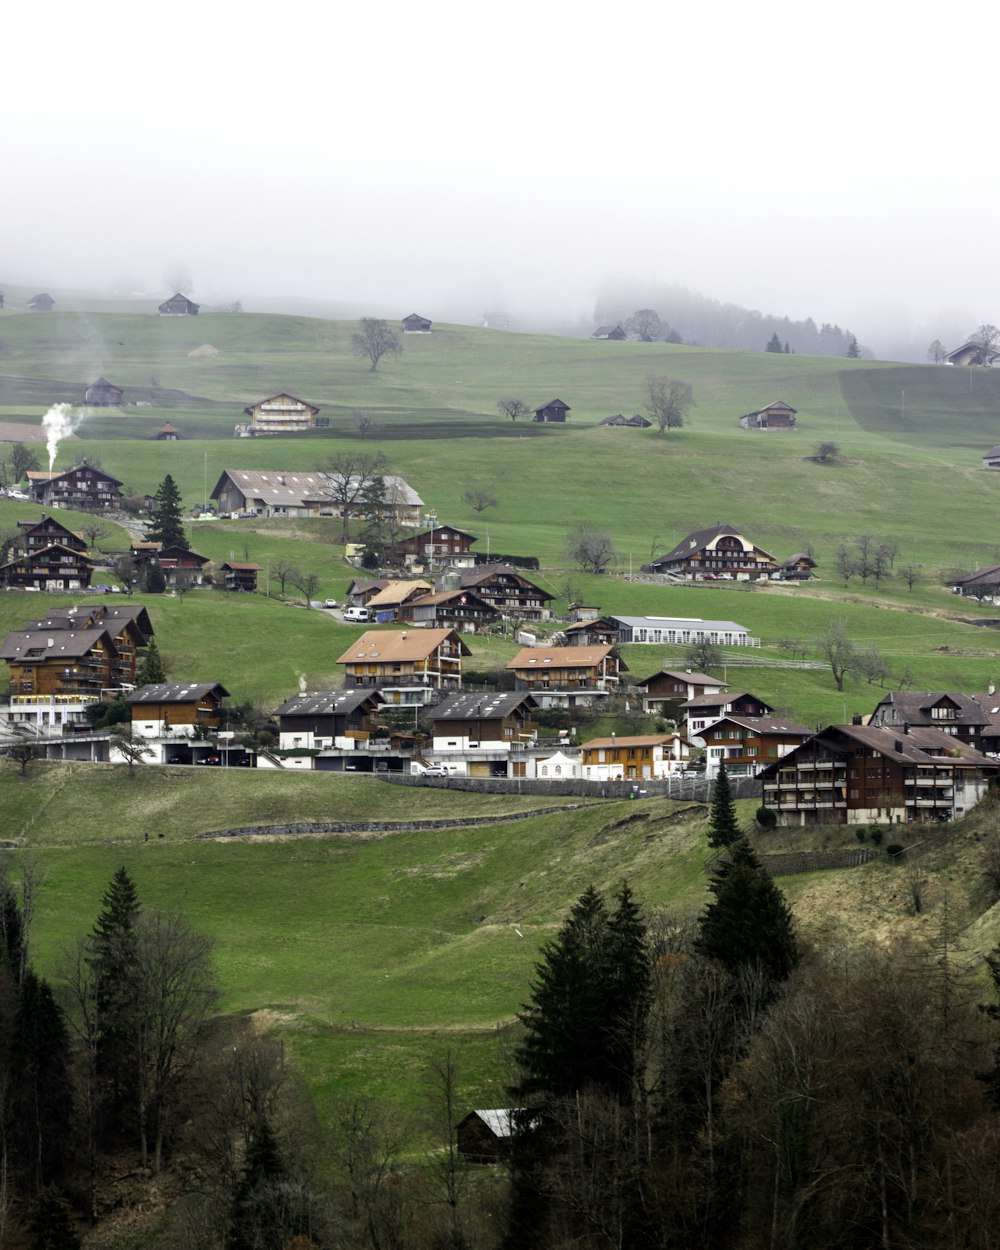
column 906, row 727
column 856, row 718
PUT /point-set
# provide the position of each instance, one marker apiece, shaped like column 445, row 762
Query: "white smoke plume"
column 60, row 422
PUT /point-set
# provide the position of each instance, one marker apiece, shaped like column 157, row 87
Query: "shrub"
column 765, row 818
column 895, row 850
column 876, row 835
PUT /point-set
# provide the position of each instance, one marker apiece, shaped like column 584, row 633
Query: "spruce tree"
column 853, row 348
column 630, row 990
column 112, row 958
column 723, row 827
column 51, row 1224
column 167, row 526
column 151, row 671
column 262, row 1168
column 42, row 1095
column 749, row 924
column 773, row 343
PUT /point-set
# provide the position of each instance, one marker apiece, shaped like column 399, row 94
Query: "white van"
column 357, row 614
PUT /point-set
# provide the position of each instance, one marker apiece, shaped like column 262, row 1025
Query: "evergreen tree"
column 788, row 350
column 51, row 1224
column 749, row 924
column 151, row 671
column 262, row 1168
column 113, row 958
column 992, row 1010
column 153, row 580
column 12, row 935
column 630, row 990
column 42, row 1096
column 166, row 526
column 773, row 343
column 723, row 827
column 853, row 348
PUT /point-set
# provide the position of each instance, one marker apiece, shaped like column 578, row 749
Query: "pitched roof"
column 698, row 540
column 988, row 576
column 242, row 566
column 483, row 705
column 483, row 572
column 176, row 692
column 398, row 592
column 293, row 486
column 765, row 724
column 249, row 409
column 639, row 740
column 561, row 657
column 54, row 477
column 439, row 597
column 717, row 700
column 328, row 702
column 56, row 643
column 386, row 646
column 692, row 679
column 914, row 707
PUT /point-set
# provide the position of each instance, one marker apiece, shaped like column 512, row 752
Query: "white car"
column 329, row 603
column 357, row 614
column 435, row 770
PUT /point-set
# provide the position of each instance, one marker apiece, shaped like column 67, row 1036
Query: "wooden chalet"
column 180, row 567
column 666, row 691
column 442, row 546
column 240, row 575
column 602, row 632
column 485, row 1136
column 54, row 568
column 643, row 757
column 746, row 744
column 77, row 652
column 279, row 414
column 41, row 303
column 959, row 715
column 462, row 610
column 856, row 774
column 507, row 590
column 797, row 568
column 720, row 551
column 102, row 394
column 415, row 324
column 361, row 589
column 83, row 488
column 637, row 422
column 407, row 665
column 167, row 434
column 775, row 416
column 613, row 333
column 567, row 676
column 324, row 719
column 181, row 709
column 972, row 354
column 179, row 306
column 555, row 410
column 484, row 721
column 703, row 710
column 36, row 535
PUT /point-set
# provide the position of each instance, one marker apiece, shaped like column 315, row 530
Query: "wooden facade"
column 705, row 709
column 102, row 394
column 774, row 416
column 429, row 658
column 854, row 774
column 184, row 709
column 568, row 676
column 613, row 333
column 36, row 535
column 718, row 551
column 322, row 719
column 747, row 744
column 179, row 306
column 240, row 575
column 959, row 715
column 484, row 720
column 554, row 410
column 443, row 546
column 180, row 567
column 74, row 651
column 41, row 303
column 415, row 324
column 167, row 434
column 462, row 610
column 279, row 414
column 507, row 590
column 644, row 757
column 665, row 692
column 56, row 568
column 83, row 488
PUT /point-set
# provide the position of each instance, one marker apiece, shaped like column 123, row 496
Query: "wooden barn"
column 102, row 394
column 415, row 324
column 167, row 434
column 775, row 416
column 178, row 306
column 484, row 1136
column 614, row 333
column 554, row 410
column 41, row 303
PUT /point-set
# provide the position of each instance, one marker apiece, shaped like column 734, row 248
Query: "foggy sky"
column 449, row 155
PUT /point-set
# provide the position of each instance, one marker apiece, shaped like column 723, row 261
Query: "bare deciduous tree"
column 513, row 408
column 986, row 336
column 308, row 583
column 667, row 401
column 349, row 476
column 937, row 351
column 479, row 500
column 590, row 549
column 834, row 645
column 645, row 325
column 375, row 340
column 365, row 423
column 285, row 572
column 702, row 656
column 911, row 575
column 130, row 746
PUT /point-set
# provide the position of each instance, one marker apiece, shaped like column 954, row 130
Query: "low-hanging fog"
column 452, row 159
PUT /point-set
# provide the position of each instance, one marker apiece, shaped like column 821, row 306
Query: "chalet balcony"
column 923, row 782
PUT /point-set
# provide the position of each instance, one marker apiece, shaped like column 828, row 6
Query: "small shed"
column 41, row 303
column 554, row 410
column 992, row 458
column 240, row 575
column 485, row 1136
column 637, row 422
column 102, row 394
column 415, row 324
column 178, row 306
column 615, row 333
column 775, row 416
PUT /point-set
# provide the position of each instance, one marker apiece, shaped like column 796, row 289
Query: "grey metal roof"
column 489, row 705
column 327, row 702
column 176, row 692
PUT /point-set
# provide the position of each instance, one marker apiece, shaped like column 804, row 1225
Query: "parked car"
column 435, row 770
column 329, row 603
column 357, row 614
column 176, row 759
column 209, row 759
